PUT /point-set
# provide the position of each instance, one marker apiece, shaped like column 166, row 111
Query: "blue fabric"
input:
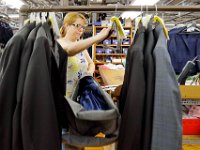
column 182, row 48
column 91, row 97
column 5, row 32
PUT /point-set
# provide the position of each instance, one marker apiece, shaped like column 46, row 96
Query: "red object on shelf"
column 191, row 126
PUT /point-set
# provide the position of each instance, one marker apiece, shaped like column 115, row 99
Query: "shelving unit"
column 102, row 55
column 190, row 142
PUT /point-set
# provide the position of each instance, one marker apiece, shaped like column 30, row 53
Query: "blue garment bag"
column 89, row 95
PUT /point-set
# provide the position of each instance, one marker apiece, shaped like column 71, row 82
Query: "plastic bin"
column 191, row 126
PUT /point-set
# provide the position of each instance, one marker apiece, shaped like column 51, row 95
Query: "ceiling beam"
column 176, row 17
column 175, row 2
column 64, row 2
column 190, row 20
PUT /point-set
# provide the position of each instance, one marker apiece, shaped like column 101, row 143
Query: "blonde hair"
column 69, row 19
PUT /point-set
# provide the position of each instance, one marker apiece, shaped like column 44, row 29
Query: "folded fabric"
column 89, row 95
column 194, row 111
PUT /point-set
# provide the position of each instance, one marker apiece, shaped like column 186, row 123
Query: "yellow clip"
column 119, row 26
column 51, row 21
column 156, row 18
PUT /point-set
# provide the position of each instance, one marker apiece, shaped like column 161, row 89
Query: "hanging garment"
column 134, row 46
column 167, row 117
column 149, row 70
column 130, row 133
column 41, row 127
column 25, row 56
column 183, row 47
column 5, row 32
column 9, row 70
column 1, row 50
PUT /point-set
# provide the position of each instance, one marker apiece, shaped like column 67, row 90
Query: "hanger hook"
column 141, row 11
column 116, row 7
column 147, row 9
column 156, row 9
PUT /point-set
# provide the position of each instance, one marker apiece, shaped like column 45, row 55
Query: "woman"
column 79, row 61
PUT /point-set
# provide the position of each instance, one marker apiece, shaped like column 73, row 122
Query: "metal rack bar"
column 27, row 9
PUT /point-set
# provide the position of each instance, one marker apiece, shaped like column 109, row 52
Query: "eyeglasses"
column 79, row 26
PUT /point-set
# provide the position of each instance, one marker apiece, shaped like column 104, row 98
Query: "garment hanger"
column 146, row 18
column 32, row 17
column 117, row 27
column 119, row 40
column 157, row 20
column 120, row 33
column 37, row 18
column 191, row 29
column 52, row 18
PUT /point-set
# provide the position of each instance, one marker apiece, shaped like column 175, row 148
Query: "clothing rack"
column 117, row 8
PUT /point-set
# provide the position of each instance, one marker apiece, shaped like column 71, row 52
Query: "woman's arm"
column 72, row 48
column 91, row 66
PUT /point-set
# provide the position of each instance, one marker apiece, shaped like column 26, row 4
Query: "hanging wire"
column 141, row 11
column 147, row 10
column 156, row 10
column 116, row 7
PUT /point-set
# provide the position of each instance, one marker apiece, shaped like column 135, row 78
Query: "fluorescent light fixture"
column 13, row 3
column 134, row 14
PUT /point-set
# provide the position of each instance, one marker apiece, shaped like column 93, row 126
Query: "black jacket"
column 40, row 102
column 149, row 69
column 9, row 70
column 134, row 102
column 25, row 56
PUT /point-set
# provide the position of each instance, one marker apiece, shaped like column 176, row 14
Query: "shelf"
column 113, row 45
column 101, row 63
column 114, row 36
column 190, row 92
column 100, row 27
column 110, row 54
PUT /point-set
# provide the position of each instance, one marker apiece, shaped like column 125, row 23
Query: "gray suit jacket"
column 167, row 118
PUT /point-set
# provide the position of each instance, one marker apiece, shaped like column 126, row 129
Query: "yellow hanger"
column 119, row 26
column 158, row 19
column 54, row 24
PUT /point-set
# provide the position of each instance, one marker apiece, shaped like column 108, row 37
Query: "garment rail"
column 27, row 9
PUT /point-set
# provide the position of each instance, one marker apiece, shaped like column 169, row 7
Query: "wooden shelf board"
column 110, row 54
column 113, row 45
column 190, row 92
column 106, row 27
column 101, row 63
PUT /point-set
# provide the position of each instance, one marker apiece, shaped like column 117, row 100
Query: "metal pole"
column 109, row 8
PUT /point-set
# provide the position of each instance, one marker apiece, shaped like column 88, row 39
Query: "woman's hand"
column 105, row 33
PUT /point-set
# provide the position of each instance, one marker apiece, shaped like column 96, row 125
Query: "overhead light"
column 13, row 3
column 134, row 14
